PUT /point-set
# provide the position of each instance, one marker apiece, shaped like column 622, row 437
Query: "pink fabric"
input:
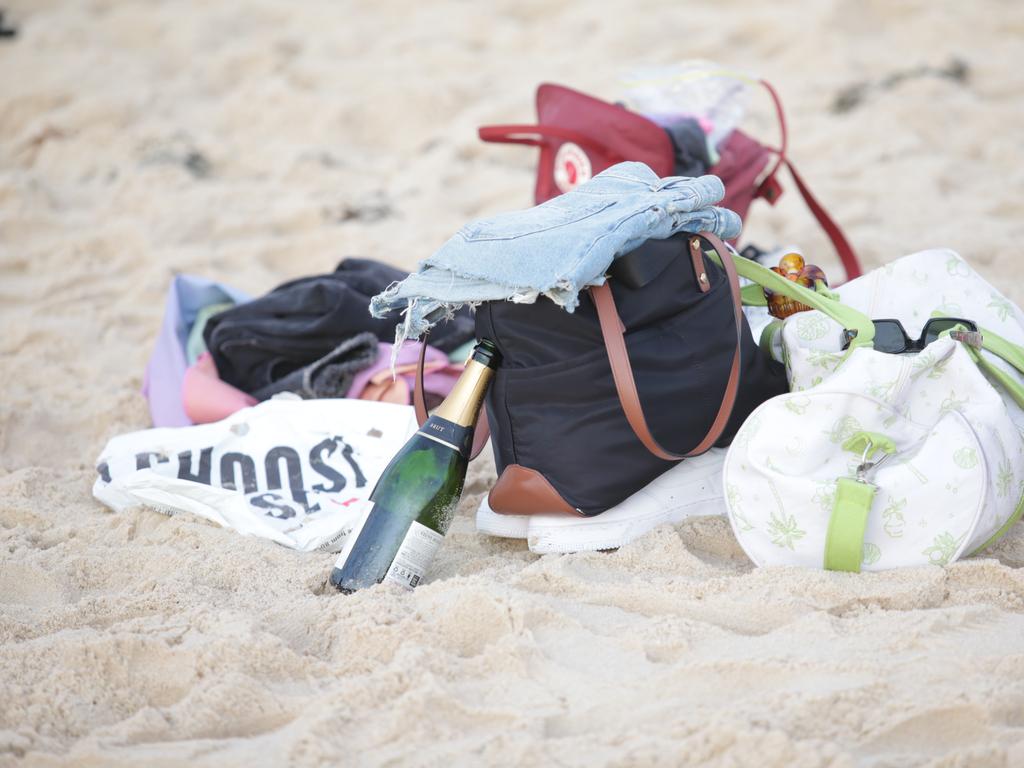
column 439, row 376
column 206, row 398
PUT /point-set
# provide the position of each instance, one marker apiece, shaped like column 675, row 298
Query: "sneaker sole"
column 543, row 538
column 690, row 489
column 503, row 526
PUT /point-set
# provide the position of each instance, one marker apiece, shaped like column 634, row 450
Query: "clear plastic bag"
column 715, row 96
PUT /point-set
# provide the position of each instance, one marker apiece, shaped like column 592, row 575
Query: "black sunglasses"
column 891, row 337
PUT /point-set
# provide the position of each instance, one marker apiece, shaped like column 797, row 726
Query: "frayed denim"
column 558, row 248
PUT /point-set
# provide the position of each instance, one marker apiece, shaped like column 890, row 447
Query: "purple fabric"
column 165, row 371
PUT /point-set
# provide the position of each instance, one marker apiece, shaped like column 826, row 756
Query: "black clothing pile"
column 313, row 334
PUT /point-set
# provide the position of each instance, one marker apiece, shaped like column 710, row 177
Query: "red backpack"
column 580, row 136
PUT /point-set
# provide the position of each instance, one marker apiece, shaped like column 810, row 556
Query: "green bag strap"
column 1004, row 529
column 868, row 444
column 768, row 334
column 846, row 316
column 1007, row 382
column 1011, row 353
column 1007, row 350
column 753, row 296
column 844, row 542
column 1014, row 355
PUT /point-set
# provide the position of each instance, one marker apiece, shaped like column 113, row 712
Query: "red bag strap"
column 539, row 135
column 622, row 372
column 846, row 253
column 783, row 133
column 483, row 430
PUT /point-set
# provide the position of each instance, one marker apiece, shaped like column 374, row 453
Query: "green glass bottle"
column 416, row 496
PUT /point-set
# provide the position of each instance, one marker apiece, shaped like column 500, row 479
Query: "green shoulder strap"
column 1007, row 382
column 1014, row 355
column 848, row 317
column 1006, row 350
column 753, row 296
column 1011, row 353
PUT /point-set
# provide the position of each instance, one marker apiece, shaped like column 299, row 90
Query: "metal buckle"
column 866, row 466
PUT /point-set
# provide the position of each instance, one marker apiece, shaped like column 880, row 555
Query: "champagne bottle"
column 415, row 498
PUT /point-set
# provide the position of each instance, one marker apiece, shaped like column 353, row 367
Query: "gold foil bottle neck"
column 463, row 403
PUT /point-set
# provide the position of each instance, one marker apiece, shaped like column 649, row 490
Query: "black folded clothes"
column 332, row 374
column 312, row 335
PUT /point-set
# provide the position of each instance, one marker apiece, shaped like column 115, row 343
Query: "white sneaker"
column 692, row 488
column 504, row 526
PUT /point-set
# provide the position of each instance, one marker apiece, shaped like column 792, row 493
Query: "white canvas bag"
column 298, row 472
column 879, row 460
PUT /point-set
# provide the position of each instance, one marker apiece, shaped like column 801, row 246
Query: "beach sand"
column 257, row 142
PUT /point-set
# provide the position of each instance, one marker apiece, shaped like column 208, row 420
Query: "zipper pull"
column 871, row 443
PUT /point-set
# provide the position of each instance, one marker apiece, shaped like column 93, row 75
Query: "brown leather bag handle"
column 483, row 430
column 622, row 372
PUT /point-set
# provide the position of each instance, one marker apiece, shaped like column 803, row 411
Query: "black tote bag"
column 659, row 363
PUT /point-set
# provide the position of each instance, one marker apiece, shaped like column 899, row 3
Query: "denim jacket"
column 557, row 248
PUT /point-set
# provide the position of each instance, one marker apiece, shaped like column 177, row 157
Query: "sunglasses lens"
column 889, row 337
column 939, row 325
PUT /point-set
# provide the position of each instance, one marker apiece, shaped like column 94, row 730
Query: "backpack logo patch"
column 572, row 167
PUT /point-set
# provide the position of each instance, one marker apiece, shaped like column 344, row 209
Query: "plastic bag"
column 298, row 472
column 700, row 89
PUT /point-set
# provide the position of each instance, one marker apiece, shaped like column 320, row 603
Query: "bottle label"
column 449, row 433
column 414, row 556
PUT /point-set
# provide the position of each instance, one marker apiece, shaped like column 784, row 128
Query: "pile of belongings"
column 220, row 351
column 231, row 447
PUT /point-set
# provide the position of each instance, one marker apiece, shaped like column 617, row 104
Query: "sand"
column 262, row 141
